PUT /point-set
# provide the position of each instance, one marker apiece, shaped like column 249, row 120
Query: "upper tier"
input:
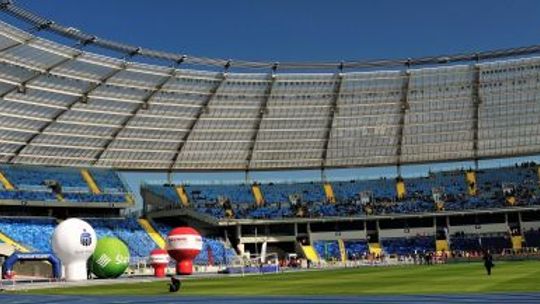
column 61, row 185
column 498, row 188
column 63, row 106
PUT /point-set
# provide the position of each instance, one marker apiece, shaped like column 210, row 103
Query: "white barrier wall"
column 269, row 239
column 394, row 233
column 483, row 228
column 529, row 225
column 344, row 235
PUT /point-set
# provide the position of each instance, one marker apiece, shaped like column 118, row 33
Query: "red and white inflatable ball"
column 183, row 245
column 159, row 259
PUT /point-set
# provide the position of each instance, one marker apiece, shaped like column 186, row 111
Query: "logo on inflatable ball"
column 110, row 259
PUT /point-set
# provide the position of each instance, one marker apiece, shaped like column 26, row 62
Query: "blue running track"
column 516, row 298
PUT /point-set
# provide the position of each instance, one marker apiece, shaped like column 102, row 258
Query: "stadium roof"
column 61, row 105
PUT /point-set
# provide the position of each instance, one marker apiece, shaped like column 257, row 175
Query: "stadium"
column 76, row 120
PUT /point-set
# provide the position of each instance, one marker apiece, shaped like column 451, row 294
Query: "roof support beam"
column 403, row 107
column 195, row 120
column 262, row 110
column 83, row 98
column 22, row 86
column 35, row 29
column 141, row 106
column 330, row 122
column 476, row 100
column 12, row 46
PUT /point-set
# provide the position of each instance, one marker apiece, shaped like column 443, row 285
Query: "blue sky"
column 281, row 30
column 313, row 30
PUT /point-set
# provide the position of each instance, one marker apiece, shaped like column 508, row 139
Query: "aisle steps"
column 154, row 235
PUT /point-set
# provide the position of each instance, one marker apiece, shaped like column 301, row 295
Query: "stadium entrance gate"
column 7, row 267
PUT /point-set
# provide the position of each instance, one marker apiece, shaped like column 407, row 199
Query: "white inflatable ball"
column 73, row 242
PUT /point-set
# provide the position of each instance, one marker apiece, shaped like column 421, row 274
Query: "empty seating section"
column 31, row 178
column 322, row 209
column 406, row 246
column 307, row 192
column 309, row 199
column 356, row 248
column 465, row 243
column 495, row 242
column 34, row 183
column 523, row 180
column 32, row 233
column 206, row 199
column 108, row 181
column 449, row 182
column 490, row 181
column 214, row 252
column 44, row 196
column 380, row 188
column 532, row 237
column 416, row 205
column 267, row 212
column 167, row 192
column 152, row 233
column 328, row 250
column 240, row 194
column 94, row 198
column 162, row 228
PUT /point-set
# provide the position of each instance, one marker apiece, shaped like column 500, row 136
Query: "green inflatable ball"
column 110, row 259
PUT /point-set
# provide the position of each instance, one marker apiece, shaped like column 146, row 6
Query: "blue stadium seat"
column 279, row 193
column 33, row 233
column 108, row 181
column 419, row 197
column 410, row 245
column 30, row 185
column 532, row 237
column 328, row 250
column 128, row 230
column 355, row 249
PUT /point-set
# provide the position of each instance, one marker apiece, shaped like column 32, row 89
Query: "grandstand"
column 72, row 122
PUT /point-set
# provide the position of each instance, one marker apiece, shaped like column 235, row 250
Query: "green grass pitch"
column 441, row 279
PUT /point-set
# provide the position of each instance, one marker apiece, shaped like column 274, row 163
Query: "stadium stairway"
column 442, row 245
column 329, row 192
column 90, row 181
column 257, row 194
column 18, row 247
column 517, row 240
column 310, row 253
column 400, row 189
column 129, row 199
column 182, row 195
column 152, row 232
column 5, row 182
column 470, row 178
column 375, row 248
column 342, row 250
